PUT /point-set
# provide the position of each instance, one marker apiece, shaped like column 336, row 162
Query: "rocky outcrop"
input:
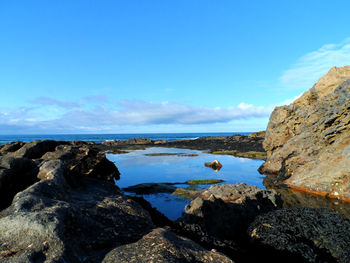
column 62, row 205
column 220, row 216
column 308, row 142
column 162, row 245
column 302, row 234
column 237, row 143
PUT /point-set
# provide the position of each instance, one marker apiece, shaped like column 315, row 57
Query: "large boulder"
column 308, row 141
column 302, row 235
column 220, row 216
column 53, row 222
column 163, row 246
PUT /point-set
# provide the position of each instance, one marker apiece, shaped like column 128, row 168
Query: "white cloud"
column 310, row 67
column 129, row 113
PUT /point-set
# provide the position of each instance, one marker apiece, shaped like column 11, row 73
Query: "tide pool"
column 139, row 166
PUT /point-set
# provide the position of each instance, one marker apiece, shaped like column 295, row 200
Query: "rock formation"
column 220, row 216
column 308, row 235
column 59, row 203
column 308, row 141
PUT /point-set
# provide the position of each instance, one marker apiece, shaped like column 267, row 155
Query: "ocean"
column 104, row 137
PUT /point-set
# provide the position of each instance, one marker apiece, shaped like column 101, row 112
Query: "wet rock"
column 151, row 188
column 309, row 235
column 220, row 217
column 308, row 142
column 162, row 245
column 215, row 165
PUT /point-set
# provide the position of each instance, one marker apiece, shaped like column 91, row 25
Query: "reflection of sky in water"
column 135, row 168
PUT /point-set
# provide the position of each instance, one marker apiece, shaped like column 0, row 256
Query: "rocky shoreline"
column 60, row 204
column 59, row 201
column 238, row 145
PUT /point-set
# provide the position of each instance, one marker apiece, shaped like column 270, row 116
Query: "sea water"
column 138, row 167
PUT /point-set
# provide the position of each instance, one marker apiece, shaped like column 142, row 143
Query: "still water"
column 138, row 167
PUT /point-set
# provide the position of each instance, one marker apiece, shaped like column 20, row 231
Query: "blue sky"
column 161, row 66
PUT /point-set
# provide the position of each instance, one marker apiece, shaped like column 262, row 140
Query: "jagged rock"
column 223, row 222
column 162, row 245
column 215, row 165
column 308, row 142
column 36, row 149
column 302, row 235
column 10, row 147
column 53, row 221
column 66, row 208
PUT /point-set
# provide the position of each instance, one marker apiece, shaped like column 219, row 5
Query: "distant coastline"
column 106, row 137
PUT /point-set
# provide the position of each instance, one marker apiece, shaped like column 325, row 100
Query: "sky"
column 153, row 66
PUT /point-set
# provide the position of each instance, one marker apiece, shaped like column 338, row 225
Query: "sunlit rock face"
column 308, row 141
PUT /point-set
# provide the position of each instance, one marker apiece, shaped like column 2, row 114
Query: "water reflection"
column 139, row 167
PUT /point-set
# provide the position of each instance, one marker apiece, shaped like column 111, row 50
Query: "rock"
column 221, row 215
column 10, row 147
column 16, row 174
column 60, row 204
column 36, row 149
column 83, row 161
column 215, row 165
column 260, row 134
column 151, row 188
column 308, row 142
column 74, row 213
column 309, row 235
column 55, row 222
column 162, row 245
column 133, row 141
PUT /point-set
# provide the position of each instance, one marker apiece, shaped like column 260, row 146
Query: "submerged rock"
column 151, row 188
column 308, row 141
column 305, row 234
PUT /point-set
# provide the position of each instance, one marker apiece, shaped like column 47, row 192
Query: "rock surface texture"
column 221, row 215
column 308, row 141
column 60, row 204
column 308, row 235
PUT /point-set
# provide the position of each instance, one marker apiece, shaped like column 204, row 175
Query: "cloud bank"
column 78, row 117
column 310, row 67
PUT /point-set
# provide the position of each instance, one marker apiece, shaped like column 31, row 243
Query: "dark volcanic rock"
column 68, row 216
column 52, row 221
column 10, row 147
column 309, row 235
column 16, row 174
column 66, row 208
column 163, row 246
column 222, row 214
column 239, row 143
